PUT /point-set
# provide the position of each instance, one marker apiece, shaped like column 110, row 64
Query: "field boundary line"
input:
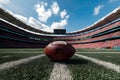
column 60, row 72
column 10, row 64
column 102, row 63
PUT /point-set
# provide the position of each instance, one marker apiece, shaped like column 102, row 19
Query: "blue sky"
column 58, row 14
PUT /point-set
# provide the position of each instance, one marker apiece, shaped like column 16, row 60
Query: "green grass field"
column 41, row 68
column 38, row 69
column 97, row 50
column 5, row 50
column 85, row 70
column 15, row 54
column 109, row 57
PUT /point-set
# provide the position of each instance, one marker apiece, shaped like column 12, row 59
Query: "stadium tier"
column 105, row 33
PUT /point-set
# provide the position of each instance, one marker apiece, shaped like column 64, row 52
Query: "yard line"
column 98, row 52
column 60, row 72
column 10, row 64
column 103, row 63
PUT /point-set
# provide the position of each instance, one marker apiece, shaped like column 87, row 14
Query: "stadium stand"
column 105, row 33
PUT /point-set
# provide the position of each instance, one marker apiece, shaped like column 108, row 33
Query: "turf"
column 9, row 50
column 109, row 57
column 85, row 70
column 97, row 50
column 5, row 57
column 15, row 54
column 38, row 69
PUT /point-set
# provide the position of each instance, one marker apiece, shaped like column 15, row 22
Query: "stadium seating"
column 103, row 34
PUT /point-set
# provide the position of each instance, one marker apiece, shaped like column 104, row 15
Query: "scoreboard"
column 59, row 31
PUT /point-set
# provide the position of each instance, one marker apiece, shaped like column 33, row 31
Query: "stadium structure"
column 105, row 33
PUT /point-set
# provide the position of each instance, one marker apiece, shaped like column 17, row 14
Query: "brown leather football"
column 59, row 50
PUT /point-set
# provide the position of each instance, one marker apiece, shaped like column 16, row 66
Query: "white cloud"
column 59, row 25
column 34, row 23
column 38, row 25
column 67, row 16
column 55, row 8
column 20, row 17
column 45, row 12
column 31, row 21
column 97, row 9
column 4, row 1
column 110, row 1
column 42, row 12
column 47, row 28
column 63, row 14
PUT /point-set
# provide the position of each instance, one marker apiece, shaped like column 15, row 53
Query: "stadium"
column 97, row 54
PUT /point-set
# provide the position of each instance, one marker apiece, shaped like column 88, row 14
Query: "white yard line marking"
column 60, row 72
column 103, row 63
column 99, row 52
column 10, row 64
